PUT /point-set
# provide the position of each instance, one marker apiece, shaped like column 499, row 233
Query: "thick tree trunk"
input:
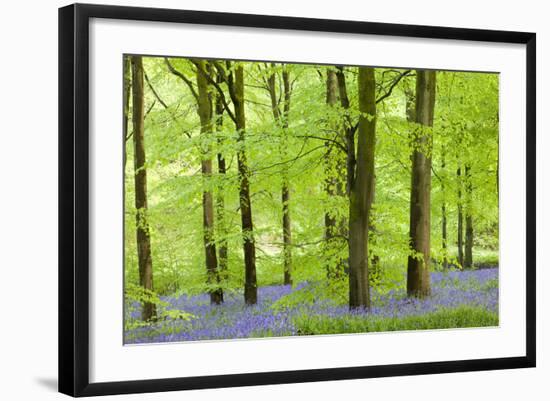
column 145, row 262
column 469, row 243
column 220, row 198
column 250, row 285
column 204, row 102
column 418, row 268
column 460, row 224
column 362, row 192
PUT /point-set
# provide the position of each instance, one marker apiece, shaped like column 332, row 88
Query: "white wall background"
column 28, row 200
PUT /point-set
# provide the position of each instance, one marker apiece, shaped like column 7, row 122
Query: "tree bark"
column 362, row 192
column 145, row 262
column 127, row 71
column 285, row 191
column 335, row 173
column 282, row 120
column 250, row 285
column 205, row 112
column 469, row 242
column 418, row 267
column 349, row 132
column 220, row 198
column 444, row 219
column 460, row 224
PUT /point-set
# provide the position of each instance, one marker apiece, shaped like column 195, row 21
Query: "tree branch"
column 144, row 117
column 393, row 85
column 217, row 86
column 182, row 77
column 153, row 90
column 334, row 141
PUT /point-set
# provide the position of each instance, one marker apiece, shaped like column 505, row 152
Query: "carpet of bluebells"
column 232, row 319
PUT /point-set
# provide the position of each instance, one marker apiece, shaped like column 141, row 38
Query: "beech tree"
column 220, row 198
column 361, row 192
column 204, row 102
column 460, row 217
column 418, row 267
column 281, row 118
column 335, row 161
column 145, row 262
column 469, row 240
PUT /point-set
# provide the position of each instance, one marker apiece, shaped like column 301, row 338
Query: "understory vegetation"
column 459, row 299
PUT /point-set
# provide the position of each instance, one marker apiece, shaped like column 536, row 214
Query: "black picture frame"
column 74, row 194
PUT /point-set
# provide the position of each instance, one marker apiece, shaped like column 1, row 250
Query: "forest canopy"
column 282, row 186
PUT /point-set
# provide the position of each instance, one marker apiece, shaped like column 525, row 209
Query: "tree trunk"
column 220, row 198
column 375, row 271
column 250, row 285
column 348, row 129
column 362, row 192
column 335, row 173
column 145, row 262
column 282, row 120
column 469, row 243
column 444, row 219
column 418, row 267
column 285, row 191
column 204, row 102
column 460, row 225
column 287, row 235
column 127, row 71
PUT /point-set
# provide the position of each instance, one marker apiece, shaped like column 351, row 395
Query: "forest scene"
column 269, row 199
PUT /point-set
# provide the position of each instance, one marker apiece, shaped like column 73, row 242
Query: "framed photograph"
column 251, row 199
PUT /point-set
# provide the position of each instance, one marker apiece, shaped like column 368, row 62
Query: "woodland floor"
column 459, row 299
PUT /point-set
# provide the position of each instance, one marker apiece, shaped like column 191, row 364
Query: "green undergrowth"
column 445, row 318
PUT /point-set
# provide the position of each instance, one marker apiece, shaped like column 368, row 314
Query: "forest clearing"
column 269, row 199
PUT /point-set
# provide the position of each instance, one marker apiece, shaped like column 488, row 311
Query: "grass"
column 445, row 318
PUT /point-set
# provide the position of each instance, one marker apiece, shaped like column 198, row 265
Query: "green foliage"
column 465, row 132
column 465, row 316
column 135, row 296
column 328, row 292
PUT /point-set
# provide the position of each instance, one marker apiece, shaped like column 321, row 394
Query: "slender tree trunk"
column 348, row 129
column 287, row 235
column 331, row 178
column 460, row 225
column 375, row 271
column 362, row 192
column 469, row 243
column 335, row 173
column 281, row 119
column 205, row 114
column 127, row 71
column 145, row 262
column 418, row 268
column 444, row 234
column 250, row 284
column 285, row 191
column 220, row 198
column 444, row 218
